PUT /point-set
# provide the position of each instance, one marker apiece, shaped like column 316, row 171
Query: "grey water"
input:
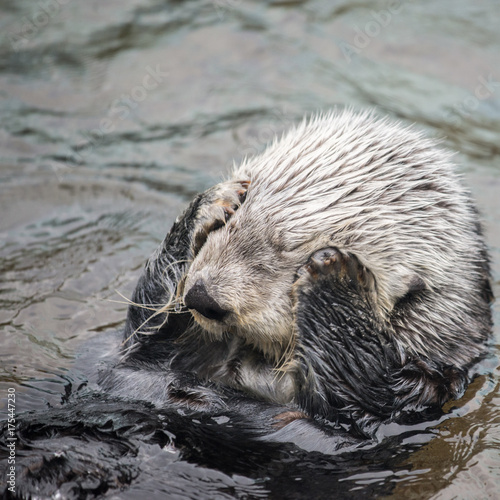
column 114, row 114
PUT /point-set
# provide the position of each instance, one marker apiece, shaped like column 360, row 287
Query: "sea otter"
column 342, row 274
column 334, row 283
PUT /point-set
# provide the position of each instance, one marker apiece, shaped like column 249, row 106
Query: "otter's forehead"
column 333, row 174
column 281, row 219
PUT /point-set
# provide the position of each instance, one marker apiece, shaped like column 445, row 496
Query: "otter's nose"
column 198, row 299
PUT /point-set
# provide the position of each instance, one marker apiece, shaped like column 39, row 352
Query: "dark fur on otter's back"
column 337, row 282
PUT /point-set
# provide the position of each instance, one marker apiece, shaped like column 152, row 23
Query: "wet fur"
column 390, row 203
column 353, row 266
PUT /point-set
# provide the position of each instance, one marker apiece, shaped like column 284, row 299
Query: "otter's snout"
column 199, row 299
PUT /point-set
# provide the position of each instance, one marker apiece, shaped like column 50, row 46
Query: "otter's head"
column 304, row 194
column 378, row 190
column 240, row 282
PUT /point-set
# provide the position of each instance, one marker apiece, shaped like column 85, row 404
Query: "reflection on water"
column 114, row 114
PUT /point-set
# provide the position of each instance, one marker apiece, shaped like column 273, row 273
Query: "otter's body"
column 336, row 282
column 342, row 274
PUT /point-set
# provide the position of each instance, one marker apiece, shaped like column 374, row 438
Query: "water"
column 114, row 114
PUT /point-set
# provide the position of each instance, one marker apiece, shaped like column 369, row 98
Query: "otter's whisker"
column 151, row 307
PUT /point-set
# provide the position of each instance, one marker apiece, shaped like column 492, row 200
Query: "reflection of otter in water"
column 342, row 274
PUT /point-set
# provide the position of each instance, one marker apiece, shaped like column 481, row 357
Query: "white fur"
column 367, row 185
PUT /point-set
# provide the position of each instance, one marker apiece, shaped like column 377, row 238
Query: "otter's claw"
column 343, row 266
column 219, row 205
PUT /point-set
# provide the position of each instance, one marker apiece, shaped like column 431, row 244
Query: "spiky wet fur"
column 356, row 281
column 368, row 187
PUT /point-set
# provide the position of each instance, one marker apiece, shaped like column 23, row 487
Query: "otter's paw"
column 341, row 266
column 219, row 203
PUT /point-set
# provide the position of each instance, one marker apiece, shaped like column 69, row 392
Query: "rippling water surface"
column 113, row 114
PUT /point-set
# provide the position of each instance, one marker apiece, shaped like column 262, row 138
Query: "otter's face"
column 240, row 283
